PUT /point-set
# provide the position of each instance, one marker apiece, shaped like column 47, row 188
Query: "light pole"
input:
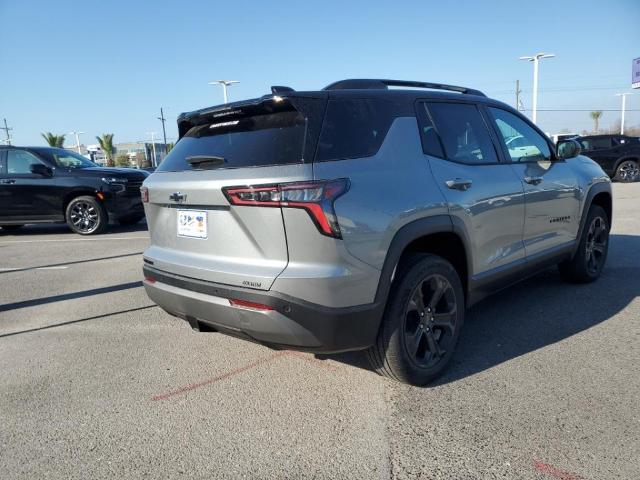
column 624, row 96
column 536, row 59
column 154, row 163
column 225, row 84
column 77, row 134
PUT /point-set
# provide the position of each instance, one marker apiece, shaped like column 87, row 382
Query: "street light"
column 154, row 163
column 624, row 96
column 225, row 84
column 77, row 134
column 535, row 59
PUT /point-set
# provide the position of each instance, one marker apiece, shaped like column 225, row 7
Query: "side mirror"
column 568, row 149
column 40, row 169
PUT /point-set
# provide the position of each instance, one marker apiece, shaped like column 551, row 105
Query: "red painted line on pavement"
column 315, row 361
column 552, row 471
column 224, row 376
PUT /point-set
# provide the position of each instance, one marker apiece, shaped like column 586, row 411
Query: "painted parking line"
column 551, row 471
column 49, row 240
column 224, row 376
column 232, row 373
column 30, row 268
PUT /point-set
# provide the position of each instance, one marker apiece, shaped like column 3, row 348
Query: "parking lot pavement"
column 96, row 382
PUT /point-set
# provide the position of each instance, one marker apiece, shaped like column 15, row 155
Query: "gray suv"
column 364, row 217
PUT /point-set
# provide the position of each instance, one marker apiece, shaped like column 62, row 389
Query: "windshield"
column 68, row 159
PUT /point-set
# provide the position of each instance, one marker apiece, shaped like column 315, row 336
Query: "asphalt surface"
column 96, row 382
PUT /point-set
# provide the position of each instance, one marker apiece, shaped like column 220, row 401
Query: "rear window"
column 269, row 139
column 354, row 128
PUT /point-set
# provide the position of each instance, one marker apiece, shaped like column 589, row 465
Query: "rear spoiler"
column 265, row 104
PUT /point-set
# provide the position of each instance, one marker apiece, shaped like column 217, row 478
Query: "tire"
column 11, row 228
column 85, row 215
column 130, row 219
column 414, row 348
column 628, row 171
column 591, row 255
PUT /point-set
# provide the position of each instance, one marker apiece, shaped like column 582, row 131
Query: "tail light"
column 144, row 194
column 316, row 197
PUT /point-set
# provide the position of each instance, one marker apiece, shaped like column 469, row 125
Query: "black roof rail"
column 275, row 89
column 380, row 84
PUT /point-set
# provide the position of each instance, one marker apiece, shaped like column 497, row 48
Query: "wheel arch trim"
column 409, row 233
column 596, row 188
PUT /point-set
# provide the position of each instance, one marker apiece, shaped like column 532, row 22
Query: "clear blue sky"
column 109, row 66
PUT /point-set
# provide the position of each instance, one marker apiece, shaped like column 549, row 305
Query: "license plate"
column 192, row 223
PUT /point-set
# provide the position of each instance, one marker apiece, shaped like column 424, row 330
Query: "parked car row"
column 618, row 155
column 48, row 185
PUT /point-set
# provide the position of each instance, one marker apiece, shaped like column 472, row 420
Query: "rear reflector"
column 149, row 279
column 316, row 197
column 234, row 302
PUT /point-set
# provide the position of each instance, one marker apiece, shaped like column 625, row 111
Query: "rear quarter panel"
column 388, row 190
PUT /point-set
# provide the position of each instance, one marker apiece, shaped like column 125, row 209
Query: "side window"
column 19, row 162
column 2, row 163
column 585, row 144
column 600, row 143
column 522, row 141
column 429, row 137
column 354, row 128
column 463, row 133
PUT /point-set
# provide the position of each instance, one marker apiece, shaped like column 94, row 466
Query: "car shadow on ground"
column 540, row 311
column 58, row 228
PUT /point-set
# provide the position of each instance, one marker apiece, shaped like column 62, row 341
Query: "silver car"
column 363, row 217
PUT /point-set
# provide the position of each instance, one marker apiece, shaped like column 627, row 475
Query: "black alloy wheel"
column 86, row 215
column 430, row 319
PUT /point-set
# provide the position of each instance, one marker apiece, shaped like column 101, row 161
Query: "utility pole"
column 164, row 132
column 77, row 134
column 536, row 59
column 624, row 96
column 225, row 84
column 518, row 92
column 7, row 129
column 153, row 146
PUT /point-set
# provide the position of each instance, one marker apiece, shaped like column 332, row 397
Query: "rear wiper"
column 205, row 161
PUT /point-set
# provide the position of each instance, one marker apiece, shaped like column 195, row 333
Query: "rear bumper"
column 290, row 323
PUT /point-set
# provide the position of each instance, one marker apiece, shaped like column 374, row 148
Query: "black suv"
column 44, row 185
column 618, row 155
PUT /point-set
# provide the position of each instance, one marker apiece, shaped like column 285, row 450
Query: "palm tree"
column 595, row 116
column 106, row 145
column 53, row 140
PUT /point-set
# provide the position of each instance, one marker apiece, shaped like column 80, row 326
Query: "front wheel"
column 86, row 215
column 627, row 171
column 421, row 323
column 591, row 255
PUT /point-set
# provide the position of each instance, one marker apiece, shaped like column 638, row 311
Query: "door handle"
column 459, row 184
column 533, row 180
column 8, row 181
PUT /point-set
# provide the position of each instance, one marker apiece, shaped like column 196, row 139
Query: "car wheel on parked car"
column 589, row 259
column 627, row 171
column 422, row 321
column 86, row 215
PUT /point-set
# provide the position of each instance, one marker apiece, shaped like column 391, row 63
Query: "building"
column 143, row 154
